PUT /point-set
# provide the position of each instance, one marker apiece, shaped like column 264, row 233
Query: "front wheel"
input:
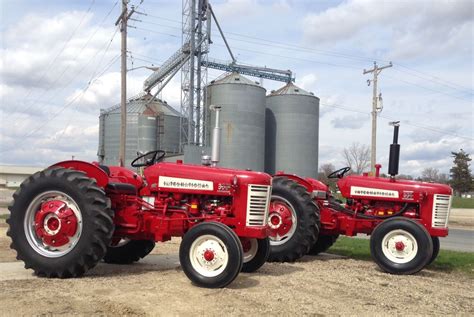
column 256, row 252
column 211, row 255
column 436, row 246
column 401, row 246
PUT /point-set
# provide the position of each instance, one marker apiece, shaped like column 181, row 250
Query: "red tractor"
column 67, row 218
column 404, row 218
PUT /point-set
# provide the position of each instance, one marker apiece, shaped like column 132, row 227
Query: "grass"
column 5, row 216
column 447, row 261
column 459, row 202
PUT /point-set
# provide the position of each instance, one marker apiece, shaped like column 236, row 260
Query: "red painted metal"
column 171, row 198
column 55, row 223
column 367, row 208
column 281, row 220
column 400, row 246
column 92, row 171
column 208, row 255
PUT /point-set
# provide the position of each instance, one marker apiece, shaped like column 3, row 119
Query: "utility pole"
column 123, row 19
column 376, row 70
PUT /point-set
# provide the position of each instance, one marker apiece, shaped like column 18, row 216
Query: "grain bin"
column 242, row 121
column 292, row 132
column 149, row 127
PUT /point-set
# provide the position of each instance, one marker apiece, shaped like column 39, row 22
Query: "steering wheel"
column 148, row 158
column 339, row 173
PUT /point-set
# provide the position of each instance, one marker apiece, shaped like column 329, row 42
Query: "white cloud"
column 234, row 8
column 410, row 27
column 352, row 122
column 56, row 53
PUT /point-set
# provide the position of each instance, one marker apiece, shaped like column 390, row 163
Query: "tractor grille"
column 441, row 207
column 258, row 200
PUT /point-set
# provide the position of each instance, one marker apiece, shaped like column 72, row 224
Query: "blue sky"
column 52, row 53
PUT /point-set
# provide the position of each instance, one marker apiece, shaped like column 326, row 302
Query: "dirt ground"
column 319, row 285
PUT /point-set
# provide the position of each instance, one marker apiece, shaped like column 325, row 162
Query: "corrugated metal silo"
column 292, row 132
column 242, row 121
column 152, row 127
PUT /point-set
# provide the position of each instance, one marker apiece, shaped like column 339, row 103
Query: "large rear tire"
column 127, row 252
column 211, row 255
column 256, row 252
column 60, row 223
column 293, row 219
column 322, row 244
column 401, row 246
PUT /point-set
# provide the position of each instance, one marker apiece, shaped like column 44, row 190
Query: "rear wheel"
column 128, row 251
column 256, row 252
column 60, row 223
column 323, row 244
column 401, row 246
column 293, row 220
column 211, row 255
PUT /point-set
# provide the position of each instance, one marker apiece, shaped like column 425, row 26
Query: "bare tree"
column 430, row 174
column 324, row 171
column 357, row 157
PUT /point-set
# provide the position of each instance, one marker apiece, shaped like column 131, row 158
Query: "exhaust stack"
column 216, row 137
column 394, row 158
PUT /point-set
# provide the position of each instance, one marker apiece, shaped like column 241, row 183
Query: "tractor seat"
column 121, row 188
column 105, row 168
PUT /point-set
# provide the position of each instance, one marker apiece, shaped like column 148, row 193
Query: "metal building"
column 292, row 132
column 242, row 121
column 155, row 126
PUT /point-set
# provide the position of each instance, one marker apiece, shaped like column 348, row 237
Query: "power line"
column 294, row 47
column 85, row 89
column 405, row 122
column 46, row 70
column 68, row 66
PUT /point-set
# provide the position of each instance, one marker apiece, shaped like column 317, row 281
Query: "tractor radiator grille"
column 258, row 200
column 441, row 207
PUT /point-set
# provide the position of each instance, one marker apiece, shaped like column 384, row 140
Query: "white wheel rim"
column 279, row 240
column 29, row 225
column 201, row 264
column 252, row 252
column 399, row 246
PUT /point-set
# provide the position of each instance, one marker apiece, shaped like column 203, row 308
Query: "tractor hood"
column 178, row 177
column 385, row 188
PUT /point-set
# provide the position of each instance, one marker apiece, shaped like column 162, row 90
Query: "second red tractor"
column 404, row 218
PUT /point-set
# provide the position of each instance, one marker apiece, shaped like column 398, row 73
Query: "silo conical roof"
column 235, row 78
column 137, row 105
column 291, row 89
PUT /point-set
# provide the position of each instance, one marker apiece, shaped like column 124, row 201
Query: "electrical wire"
column 46, row 70
column 294, row 47
column 68, row 104
column 53, row 84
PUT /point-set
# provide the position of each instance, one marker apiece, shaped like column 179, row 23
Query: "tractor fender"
column 91, row 170
column 297, row 179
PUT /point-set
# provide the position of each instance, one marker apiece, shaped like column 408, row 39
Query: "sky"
column 60, row 64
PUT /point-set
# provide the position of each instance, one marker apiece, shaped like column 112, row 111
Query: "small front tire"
column 436, row 246
column 256, row 252
column 211, row 255
column 401, row 246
